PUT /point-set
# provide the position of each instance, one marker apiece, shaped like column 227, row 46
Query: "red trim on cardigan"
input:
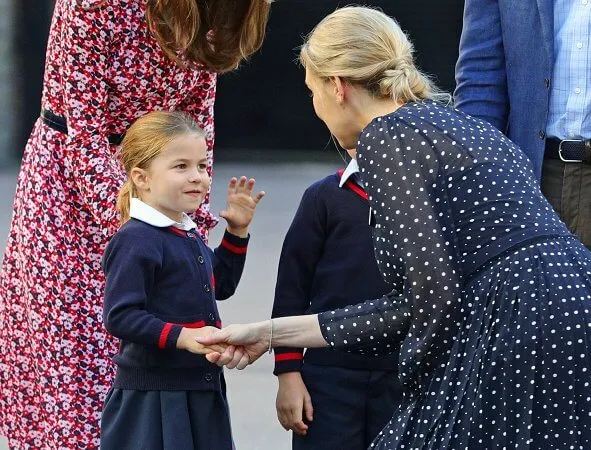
column 353, row 186
column 164, row 335
column 178, row 231
column 288, row 356
column 199, row 324
column 357, row 189
column 234, row 248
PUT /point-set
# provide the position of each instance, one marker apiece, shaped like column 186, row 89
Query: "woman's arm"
column 389, row 318
column 89, row 158
column 248, row 342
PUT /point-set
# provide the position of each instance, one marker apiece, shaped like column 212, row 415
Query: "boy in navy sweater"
column 331, row 399
column 162, row 283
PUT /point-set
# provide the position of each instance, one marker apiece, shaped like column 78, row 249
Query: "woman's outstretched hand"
column 245, row 344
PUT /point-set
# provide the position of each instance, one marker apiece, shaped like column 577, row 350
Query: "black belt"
column 59, row 123
column 568, row 150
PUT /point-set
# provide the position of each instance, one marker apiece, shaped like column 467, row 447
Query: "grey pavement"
column 251, row 391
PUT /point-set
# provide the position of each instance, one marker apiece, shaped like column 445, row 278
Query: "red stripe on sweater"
column 164, row 335
column 355, row 188
column 199, row 324
column 288, row 356
column 234, row 248
column 178, row 231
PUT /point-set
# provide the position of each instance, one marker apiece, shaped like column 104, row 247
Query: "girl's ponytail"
column 124, row 201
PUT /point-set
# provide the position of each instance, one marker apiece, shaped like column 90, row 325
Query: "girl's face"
column 176, row 180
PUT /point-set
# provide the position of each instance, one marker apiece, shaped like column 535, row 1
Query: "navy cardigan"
column 159, row 280
column 327, row 262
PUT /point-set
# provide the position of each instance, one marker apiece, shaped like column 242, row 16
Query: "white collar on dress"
column 146, row 213
column 352, row 169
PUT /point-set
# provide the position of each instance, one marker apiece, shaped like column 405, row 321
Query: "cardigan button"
column 200, row 259
column 208, row 377
column 191, row 235
column 206, row 288
column 211, row 317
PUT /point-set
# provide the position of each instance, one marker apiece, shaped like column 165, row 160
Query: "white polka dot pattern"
column 494, row 316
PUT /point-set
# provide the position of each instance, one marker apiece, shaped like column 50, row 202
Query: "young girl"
column 161, row 285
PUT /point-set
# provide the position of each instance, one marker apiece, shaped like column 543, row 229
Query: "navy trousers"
column 350, row 406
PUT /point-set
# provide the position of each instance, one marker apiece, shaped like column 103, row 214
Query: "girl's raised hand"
column 240, row 205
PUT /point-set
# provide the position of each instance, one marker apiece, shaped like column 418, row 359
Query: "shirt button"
column 579, row 45
column 577, row 90
column 206, row 288
column 547, row 82
column 200, row 259
column 571, row 134
column 584, row 2
column 208, row 377
column 542, row 134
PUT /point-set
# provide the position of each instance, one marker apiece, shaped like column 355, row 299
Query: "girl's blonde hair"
column 144, row 141
column 364, row 46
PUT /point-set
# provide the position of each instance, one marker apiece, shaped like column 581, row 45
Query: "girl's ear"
column 140, row 178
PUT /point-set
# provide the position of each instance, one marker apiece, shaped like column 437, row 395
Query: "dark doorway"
column 31, row 25
column 266, row 105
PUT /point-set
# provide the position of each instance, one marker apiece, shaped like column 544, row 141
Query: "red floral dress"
column 103, row 70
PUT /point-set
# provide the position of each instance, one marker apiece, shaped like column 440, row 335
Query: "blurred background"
column 263, row 107
column 265, row 127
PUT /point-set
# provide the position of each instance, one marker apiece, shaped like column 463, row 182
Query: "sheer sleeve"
column 375, row 327
column 406, row 184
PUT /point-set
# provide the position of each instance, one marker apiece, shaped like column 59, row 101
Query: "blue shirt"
column 569, row 115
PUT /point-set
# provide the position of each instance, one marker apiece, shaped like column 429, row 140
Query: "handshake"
column 235, row 346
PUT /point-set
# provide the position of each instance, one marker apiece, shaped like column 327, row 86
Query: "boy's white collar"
column 146, row 213
column 352, row 168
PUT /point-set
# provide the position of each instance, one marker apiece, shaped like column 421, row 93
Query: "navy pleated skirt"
column 165, row 420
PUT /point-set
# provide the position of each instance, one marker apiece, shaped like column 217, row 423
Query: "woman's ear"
column 339, row 87
column 140, row 178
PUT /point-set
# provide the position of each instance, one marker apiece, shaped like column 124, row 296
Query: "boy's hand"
column 187, row 341
column 293, row 401
column 240, row 205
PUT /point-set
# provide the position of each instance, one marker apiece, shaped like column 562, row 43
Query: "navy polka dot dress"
column 491, row 306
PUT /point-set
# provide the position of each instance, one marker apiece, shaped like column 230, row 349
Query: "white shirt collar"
column 144, row 212
column 351, row 170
